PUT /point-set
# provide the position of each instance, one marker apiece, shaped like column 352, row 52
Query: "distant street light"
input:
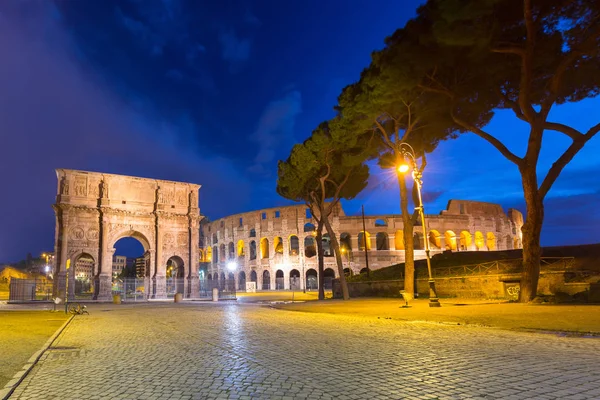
column 409, row 156
column 231, row 266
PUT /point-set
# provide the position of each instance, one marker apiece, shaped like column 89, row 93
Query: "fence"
column 226, row 288
column 130, row 289
column 30, row 290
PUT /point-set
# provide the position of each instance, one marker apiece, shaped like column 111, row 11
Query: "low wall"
column 486, row 286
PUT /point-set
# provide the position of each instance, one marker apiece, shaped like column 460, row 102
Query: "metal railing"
column 25, row 290
column 130, row 289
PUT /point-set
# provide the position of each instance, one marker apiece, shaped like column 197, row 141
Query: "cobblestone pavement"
column 220, row 351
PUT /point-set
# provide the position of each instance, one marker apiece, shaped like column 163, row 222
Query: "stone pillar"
column 286, row 278
column 159, row 279
column 61, row 261
column 392, row 241
column 103, row 281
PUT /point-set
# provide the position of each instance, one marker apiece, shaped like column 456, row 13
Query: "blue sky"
column 215, row 93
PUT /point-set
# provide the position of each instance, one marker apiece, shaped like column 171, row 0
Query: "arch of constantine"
column 94, row 210
column 276, row 249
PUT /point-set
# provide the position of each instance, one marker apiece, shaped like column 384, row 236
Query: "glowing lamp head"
column 231, row 266
column 403, row 168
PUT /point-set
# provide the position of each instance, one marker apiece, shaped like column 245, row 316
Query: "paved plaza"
column 244, row 351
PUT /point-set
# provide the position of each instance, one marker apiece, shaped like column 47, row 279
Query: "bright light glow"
column 403, row 168
column 47, row 269
column 231, row 266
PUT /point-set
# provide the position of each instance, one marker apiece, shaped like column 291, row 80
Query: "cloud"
column 55, row 115
column 234, row 49
column 275, row 131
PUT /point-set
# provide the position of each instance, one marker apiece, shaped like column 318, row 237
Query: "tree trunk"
column 409, row 249
column 321, row 279
column 532, row 229
column 338, row 259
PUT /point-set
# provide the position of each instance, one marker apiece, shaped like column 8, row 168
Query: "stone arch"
column 279, row 280
column 382, row 241
column 222, row 252
column 266, row 280
column 84, row 268
column 310, row 247
column 308, row 227
column 253, row 250
column 450, row 240
column 294, row 245
column 479, row 240
column 435, row 241
column 490, row 241
column 278, row 245
column 362, row 237
column 399, row 240
column 253, row 276
column 264, row 248
column 326, row 243
column 418, row 241
column 346, row 241
column 175, row 269
column 380, row 222
column 295, row 279
column 465, row 240
column 242, row 281
column 328, row 277
column 240, row 248
column 311, row 279
column 231, row 252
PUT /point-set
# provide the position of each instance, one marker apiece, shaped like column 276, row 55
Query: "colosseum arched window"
column 253, row 250
column 308, row 227
column 450, row 240
column 465, row 240
column 346, row 241
column 264, row 248
column 310, row 248
column 435, row 239
column 490, row 241
column 399, row 240
column 479, row 240
column 240, row 248
column 382, row 241
column 294, row 245
column 364, row 237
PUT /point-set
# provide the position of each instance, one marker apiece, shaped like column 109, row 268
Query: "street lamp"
column 409, row 156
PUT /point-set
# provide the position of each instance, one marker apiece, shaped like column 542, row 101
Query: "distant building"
column 140, row 265
column 84, row 268
column 118, row 265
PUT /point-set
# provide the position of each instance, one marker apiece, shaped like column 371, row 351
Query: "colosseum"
column 274, row 248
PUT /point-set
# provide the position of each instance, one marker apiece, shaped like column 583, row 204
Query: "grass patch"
column 23, row 333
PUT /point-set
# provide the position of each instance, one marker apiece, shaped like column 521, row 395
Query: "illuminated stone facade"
column 275, row 247
column 94, row 210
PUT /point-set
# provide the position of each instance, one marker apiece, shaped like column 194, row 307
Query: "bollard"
column 178, row 297
column 116, row 299
column 215, row 294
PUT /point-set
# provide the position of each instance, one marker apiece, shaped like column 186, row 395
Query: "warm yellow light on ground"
column 403, row 168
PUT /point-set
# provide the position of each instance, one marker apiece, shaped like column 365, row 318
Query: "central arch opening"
column 130, row 265
column 175, row 276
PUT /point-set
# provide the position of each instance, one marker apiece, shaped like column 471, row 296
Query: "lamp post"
column 409, row 155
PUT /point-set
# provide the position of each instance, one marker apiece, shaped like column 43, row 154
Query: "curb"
column 10, row 387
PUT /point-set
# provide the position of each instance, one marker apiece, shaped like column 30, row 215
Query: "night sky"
column 215, row 93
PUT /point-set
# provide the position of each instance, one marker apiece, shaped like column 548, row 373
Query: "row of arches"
column 264, row 281
column 261, row 250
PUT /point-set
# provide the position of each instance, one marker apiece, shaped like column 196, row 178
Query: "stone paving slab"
column 233, row 351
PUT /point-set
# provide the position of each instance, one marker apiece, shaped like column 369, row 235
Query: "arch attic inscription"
column 94, row 210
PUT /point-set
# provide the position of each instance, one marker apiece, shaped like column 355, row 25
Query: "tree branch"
column 565, row 158
column 492, row 140
column 567, row 130
column 527, row 64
